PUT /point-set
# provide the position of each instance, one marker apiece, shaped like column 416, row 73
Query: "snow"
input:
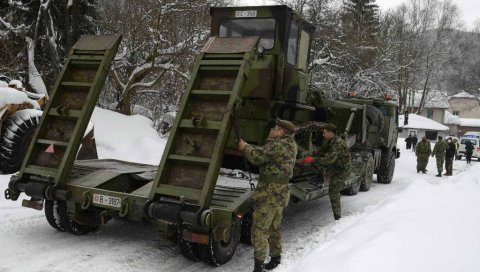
column 435, row 99
column 11, row 96
column 463, row 94
column 469, row 122
column 417, row 223
column 418, row 121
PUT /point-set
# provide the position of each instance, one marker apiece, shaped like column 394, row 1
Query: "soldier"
column 414, row 142
column 423, row 152
column 408, row 141
column 335, row 157
column 439, row 152
column 469, row 151
column 276, row 160
column 449, row 154
column 457, row 147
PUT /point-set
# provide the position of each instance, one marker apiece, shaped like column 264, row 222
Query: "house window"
column 431, row 135
column 430, row 113
column 456, row 113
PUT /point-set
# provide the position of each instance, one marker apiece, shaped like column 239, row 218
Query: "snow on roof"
column 435, row 99
column 420, row 122
column 12, row 96
column 469, row 122
column 463, row 94
column 451, row 119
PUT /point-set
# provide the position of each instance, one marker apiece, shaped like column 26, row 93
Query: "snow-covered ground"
column 418, row 223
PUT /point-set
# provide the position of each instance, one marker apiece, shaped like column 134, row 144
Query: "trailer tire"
column 246, row 232
column 368, row 175
column 70, row 225
column 217, row 253
column 189, row 250
column 387, row 167
column 18, row 133
column 51, row 213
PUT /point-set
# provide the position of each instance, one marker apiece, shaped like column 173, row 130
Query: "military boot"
column 258, row 266
column 274, row 262
column 439, row 175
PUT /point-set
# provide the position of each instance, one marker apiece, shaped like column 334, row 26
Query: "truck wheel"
column 353, row 190
column 219, row 252
column 246, row 232
column 368, row 176
column 387, row 166
column 18, row 133
column 70, row 225
column 51, row 213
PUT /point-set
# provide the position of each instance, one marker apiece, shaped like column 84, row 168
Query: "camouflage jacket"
column 423, row 149
column 276, row 159
column 334, row 156
column 439, row 148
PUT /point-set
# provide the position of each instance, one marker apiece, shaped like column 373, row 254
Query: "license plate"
column 246, row 13
column 107, row 200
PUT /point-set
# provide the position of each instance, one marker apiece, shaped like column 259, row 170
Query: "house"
column 436, row 104
column 421, row 126
column 468, row 124
column 465, row 105
column 453, row 123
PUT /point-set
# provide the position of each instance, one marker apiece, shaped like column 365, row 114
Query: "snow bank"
column 129, row 138
column 11, row 96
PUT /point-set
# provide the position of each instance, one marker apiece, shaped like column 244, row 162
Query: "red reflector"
column 196, row 237
column 50, row 149
column 239, row 216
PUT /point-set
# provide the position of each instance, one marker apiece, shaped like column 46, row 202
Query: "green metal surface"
column 194, row 151
column 57, row 140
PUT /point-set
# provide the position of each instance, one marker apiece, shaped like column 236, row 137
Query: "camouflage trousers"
column 269, row 202
column 337, row 181
column 440, row 161
column 422, row 162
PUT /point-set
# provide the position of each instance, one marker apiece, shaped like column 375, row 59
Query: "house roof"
column 462, row 94
column 420, row 122
column 451, row 119
column 435, row 99
column 469, row 122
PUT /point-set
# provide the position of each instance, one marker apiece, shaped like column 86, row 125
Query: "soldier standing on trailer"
column 335, row 157
column 276, row 160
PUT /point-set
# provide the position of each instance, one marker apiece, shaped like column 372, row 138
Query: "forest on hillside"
column 420, row 45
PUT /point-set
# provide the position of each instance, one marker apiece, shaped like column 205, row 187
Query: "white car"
column 476, row 143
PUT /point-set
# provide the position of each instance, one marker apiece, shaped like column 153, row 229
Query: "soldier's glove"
column 308, row 160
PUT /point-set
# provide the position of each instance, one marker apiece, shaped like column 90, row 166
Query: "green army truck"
column 252, row 69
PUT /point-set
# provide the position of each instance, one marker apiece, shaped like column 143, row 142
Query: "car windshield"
column 264, row 28
column 473, row 141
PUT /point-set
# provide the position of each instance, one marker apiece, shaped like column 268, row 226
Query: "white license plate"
column 107, row 200
column 246, row 13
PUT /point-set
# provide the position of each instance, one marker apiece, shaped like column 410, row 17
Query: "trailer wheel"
column 368, row 176
column 51, row 213
column 188, row 249
column 219, row 252
column 17, row 135
column 387, row 166
column 70, row 225
column 246, row 232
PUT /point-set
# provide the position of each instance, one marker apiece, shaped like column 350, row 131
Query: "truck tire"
column 51, row 213
column 17, row 135
column 352, row 190
column 217, row 253
column 387, row 167
column 69, row 225
column 246, row 232
column 368, row 175
column 189, row 250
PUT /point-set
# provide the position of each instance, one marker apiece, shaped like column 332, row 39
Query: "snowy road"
column 416, row 223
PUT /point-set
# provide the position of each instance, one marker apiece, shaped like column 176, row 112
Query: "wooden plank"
column 189, row 159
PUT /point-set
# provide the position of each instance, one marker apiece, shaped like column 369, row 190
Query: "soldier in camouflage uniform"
column 423, row 151
column 335, row 157
column 276, row 161
column 439, row 153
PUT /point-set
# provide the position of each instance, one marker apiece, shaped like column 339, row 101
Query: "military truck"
column 252, row 69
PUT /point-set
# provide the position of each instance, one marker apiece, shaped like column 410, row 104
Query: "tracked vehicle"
column 251, row 70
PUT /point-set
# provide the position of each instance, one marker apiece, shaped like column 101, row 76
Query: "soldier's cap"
column 285, row 124
column 331, row 127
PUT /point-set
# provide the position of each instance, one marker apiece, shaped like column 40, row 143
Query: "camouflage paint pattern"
column 439, row 152
column 423, row 151
column 276, row 161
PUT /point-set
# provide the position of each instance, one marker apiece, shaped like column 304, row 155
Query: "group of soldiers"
column 411, row 142
column 444, row 151
column 276, row 160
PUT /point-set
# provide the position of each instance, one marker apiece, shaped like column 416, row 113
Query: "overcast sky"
column 469, row 9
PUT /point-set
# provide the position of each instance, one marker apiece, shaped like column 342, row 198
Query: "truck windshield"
column 265, row 28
